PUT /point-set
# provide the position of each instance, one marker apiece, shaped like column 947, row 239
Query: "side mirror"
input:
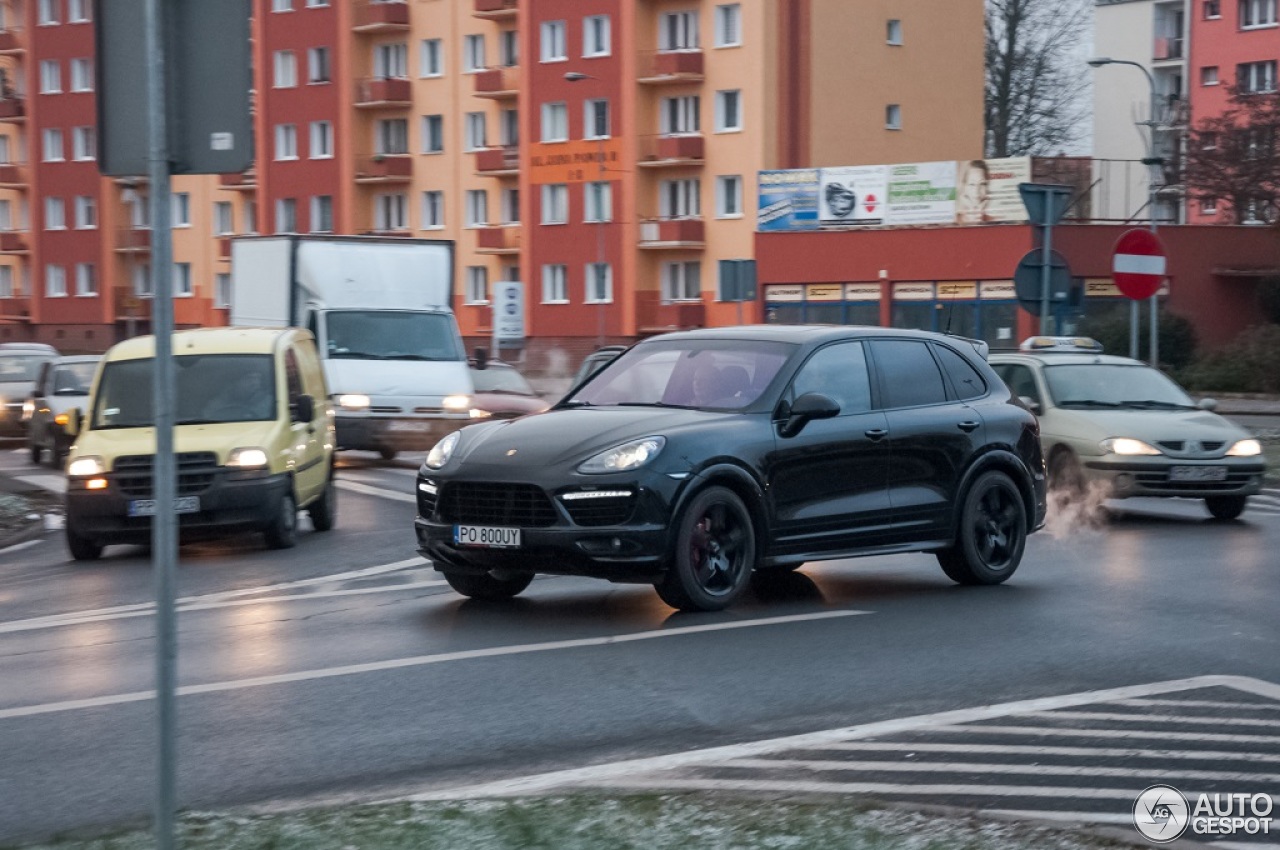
column 1209, row 404
column 807, row 407
column 1030, row 404
column 481, row 358
column 304, row 408
column 72, row 426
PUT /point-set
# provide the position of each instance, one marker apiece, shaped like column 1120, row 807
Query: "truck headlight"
column 1127, row 446
column 28, row 408
column 442, row 451
column 1245, row 448
column 87, row 465
column 247, row 458
column 353, row 401
column 456, row 403
column 625, row 457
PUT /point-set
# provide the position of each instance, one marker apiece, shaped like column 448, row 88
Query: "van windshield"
column 19, row 368
column 211, row 388
column 391, row 335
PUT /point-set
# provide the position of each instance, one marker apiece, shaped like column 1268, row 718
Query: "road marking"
column 19, row 546
column 1021, row 749
column 1052, row 731
column 1200, row 703
column 375, row 491
column 1162, row 718
column 418, row 661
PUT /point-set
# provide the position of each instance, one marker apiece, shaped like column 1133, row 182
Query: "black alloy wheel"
column 715, row 553
column 992, row 533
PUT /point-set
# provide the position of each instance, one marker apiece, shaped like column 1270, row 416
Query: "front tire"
column 487, row 587
column 1066, row 476
column 387, row 454
column 36, row 454
column 82, row 548
column 991, row 535
column 1226, row 507
column 324, row 511
column 715, row 553
column 282, row 533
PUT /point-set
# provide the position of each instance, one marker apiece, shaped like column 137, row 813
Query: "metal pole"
column 164, row 488
column 600, row 308
column 1046, row 270
column 1152, row 176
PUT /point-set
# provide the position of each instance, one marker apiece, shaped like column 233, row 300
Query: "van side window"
column 839, row 372
column 909, row 376
column 292, row 376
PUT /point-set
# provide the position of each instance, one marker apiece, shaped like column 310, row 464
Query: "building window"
column 51, row 145
column 222, row 290
column 1209, row 206
column 84, row 143
column 6, row 215
column 86, row 212
column 477, row 285
column 55, row 281
column 180, row 209
column 473, row 53
column 86, row 280
column 432, row 209
column 286, row 69
column 432, row 133
column 509, row 48
column 391, row 61
column 475, row 135
column 1212, row 9
column 553, row 44
column 679, row 199
column 286, row 141
column 317, row 4
column 555, row 203
column 1257, row 13
column 321, row 140
column 139, row 214
column 511, row 206
column 6, row 282
column 391, row 213
column 510, row 119
column 678, row 31
column 391, row 136
column 77, row 11
column 286, row 215
column 142, row 280
column 431, row 58
column 223, row 224
column 595, row 36
column 728, row 111
column 1256, row 77
column 597, row 200
column 82, row 74
column 322, row 214
column 555, row 284
column 477, row 208
column 55, row 214
column 251, row 217
column 6, row 156
column 555, row 122
column 893, row 31
column 50, row 76
column 182, row 279
column 282, row 5
column 318, row 65
column 596, row 119
column 47, row 14
column 893, row 117
column 1209, row 75
column 729, row 25
column 599, row 283
column 680, row 115
column 682, row 281
column 729, row 196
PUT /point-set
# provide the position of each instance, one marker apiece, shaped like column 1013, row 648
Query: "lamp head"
column 575, row 76
column 1099, row 61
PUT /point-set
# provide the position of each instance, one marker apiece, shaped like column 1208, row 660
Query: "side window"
column 313, row 325
column 965, row 379
column 1019, row 380
column 909, row 375
column 42, row 383
column 292, row 376
column 840, row 372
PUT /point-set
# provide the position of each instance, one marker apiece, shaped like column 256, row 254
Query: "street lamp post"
column 1153, row 163
column 598, row 282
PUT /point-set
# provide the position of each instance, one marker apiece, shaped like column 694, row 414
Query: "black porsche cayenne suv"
column 697, row 457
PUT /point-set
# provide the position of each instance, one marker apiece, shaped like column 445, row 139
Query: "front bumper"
column 11, row 422
column 231, row 501
column 375, row 433
column 1150, row 476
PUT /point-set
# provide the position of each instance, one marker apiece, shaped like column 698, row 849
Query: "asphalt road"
column 344, row 668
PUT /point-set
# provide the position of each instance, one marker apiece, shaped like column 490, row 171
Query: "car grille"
column 1160, row 481
column 196, row 471
column 1208, row 447
column 595, row 512
column 523, row 505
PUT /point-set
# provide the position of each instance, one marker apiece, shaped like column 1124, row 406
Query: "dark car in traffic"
column 501, row 392
column 697, row 457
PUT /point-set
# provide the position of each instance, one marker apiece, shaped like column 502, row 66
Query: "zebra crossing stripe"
column 1033, row 750
column 1057, row 731
column 1161, row 718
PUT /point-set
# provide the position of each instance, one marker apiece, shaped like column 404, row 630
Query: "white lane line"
column 417, row 661
column 375, row 491
column 17, row 547
column 1081, row 752
column 835, row 765
column 1072, row 817
column 1161, row 718
column 1058, row 731
column 1202, row 703
column 940, row 721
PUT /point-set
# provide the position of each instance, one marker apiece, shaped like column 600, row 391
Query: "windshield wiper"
column 577, row 402
column 1087, row 402
column 654, row 404
column 361, row 355
column 1160, row 405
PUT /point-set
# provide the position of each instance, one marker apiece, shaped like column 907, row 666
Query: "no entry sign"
column 1138, row 264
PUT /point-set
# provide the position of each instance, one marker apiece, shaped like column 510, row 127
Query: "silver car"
column 1120, row 422
column 19, row 364
column 63, row 384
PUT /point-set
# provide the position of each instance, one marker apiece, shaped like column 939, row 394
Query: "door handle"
column 967, row 426
column 876, row 434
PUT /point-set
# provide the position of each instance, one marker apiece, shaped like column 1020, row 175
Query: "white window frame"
column 477, row 291
column 391, row 136
column 286, row 214
column 681, row 116
column 893, row 32
column 47, row 13
column 729, row 196
column 6, row 216
column 729, row 105
column 552, row 45
column 286, row 148
column 893, row 116
column 678, row 31
column 86, row 215
column 391, row 212
column 317, row 4
column 592, row 280
column 50, row 76
column 319, row 213
column 282, row 5
column 728, row 25
column 433, row 209
column 433, row 134
column 180, row 209
column 510, row 204
column 555, row 121
column 142, row 280
column 477, row 204
column 597, row 201
column 84, row 144
column 55, row 213
column 284, row 69
column 475, row 135
column 6, row 282
column 55, row 281
column 223, row 218
column 431, row 58
column 222, row 289
column 1257, row 14
column 86, row 280
column 78, row 11
column 320, row 145
column 597, row 36
column 319, row 66
column 555, row 203
column 1209, row 206
column 182, row 281
column 472, row 54
column 1257, row 77
column 680, row 199
column 682, row 281
column 555, row 283
column 81, row 74
column 509, row 48
column 391, row 61
column 591, row 110
column 1209, row 75
column 51, row 149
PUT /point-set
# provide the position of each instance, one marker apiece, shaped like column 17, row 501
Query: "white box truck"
column 381, row 312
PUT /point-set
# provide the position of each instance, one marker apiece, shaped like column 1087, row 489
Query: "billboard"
column 788, row 200
column 852, row 194
column 987, row 190
column 922, row 193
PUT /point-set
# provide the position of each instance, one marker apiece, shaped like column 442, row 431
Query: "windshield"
column 16, row 368
column 1113, row 385
column 496, row 379
column 391, row 335
column 703, row 374
column 211, row 388
column 73, row 378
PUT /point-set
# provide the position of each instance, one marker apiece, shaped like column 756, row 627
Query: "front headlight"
column 353, row 401
column 247, row 458
column 87, row 465
column 477, row 413
column 442, row 451
column 456, row 403
column 28, row 408
column 625, row 457
column 1245, row 448
column 1127, row 446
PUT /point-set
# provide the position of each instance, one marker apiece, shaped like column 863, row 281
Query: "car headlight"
column 1245, row 448
column 477, row 413
column 442, row 451
column 353, row 401
column 28, row 408
column 456, row 403
column 1128, row 446
column 625, row 457
column 247, row 458
column 87, row 465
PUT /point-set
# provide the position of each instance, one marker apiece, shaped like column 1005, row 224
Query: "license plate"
column 411, row 427
column 1198, row 473
column 181, row 505
column 487, row 536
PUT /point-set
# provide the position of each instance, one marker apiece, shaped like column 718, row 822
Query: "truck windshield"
column 211, row 388
column 391, row 335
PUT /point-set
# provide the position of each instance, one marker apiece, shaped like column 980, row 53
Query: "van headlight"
column 353, row 401
column 1127, row 446
column 625, row 457
column 442, row 451
column 1245, row 448
column 87, row 465
column 456, row 403
column 250, row 457
column 28, row 409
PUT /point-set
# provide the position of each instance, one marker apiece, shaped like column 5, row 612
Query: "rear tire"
column 1226, row 507
column 991, row 534
column 324, row 511
column 36, row 453
column 82, row 548
column 715, row 553
column 282, row 533
column 388, row 454
column 487, row 587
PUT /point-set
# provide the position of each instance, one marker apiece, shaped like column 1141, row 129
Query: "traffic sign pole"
column 1138, row 266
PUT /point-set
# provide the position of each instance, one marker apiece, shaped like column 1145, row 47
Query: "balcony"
column 11, row 43
column 380, row 93
column 133, row 241
column 668, row 67
column 1167, row 48
column 13, row 109
column 13, row 242
column 385, row 168
column 496, row 9
column 653, row 316
column 378, row 16
column 498, row 240
column 224, row 247
column 498, row 83
column 671, row 151
column 13, row 176
column 246, row 181
column 498, row 162
column 662, row 234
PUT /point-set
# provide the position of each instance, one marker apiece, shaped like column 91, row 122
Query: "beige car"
column 1119, row 421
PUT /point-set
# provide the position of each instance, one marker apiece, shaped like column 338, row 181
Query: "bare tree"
column 1233, row 157
column 1036, row 78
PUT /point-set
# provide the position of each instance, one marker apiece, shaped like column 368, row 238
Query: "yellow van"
column 253, row 437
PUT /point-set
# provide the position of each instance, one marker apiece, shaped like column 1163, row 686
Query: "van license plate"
column 408, row 426
column 1198, row 473
column 487, row 536
column 181, row 505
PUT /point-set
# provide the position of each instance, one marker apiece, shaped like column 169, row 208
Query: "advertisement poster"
column 852, row 194
column 922, row 193
column 987, row 190
column 788, row 200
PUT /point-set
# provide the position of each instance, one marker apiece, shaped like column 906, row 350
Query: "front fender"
column 739, row 480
